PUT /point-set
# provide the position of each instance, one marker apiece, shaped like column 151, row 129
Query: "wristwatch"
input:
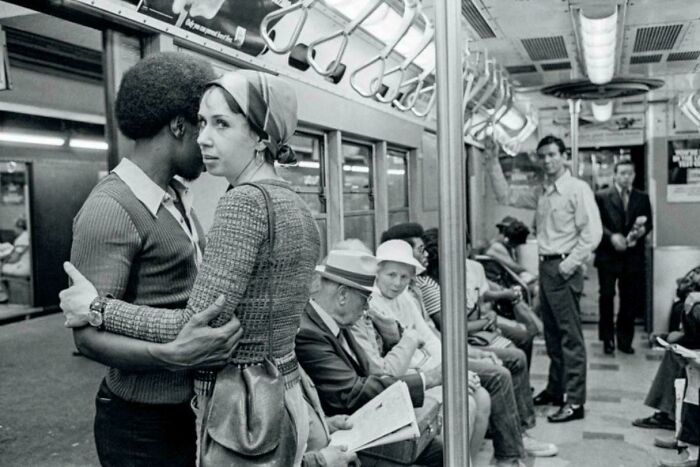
column 97, row 313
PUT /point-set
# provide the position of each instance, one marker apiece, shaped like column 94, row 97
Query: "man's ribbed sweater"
column 127, row 252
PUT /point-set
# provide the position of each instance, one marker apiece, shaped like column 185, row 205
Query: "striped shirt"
column 431, row 293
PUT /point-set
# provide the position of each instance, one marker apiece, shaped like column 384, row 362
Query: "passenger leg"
column 563, row 298
column 481, row 420
column 432, row 454
column 519, row 335
column 552, row 337
column 606, row 304
column 515, row 361
column 505, row 422
column 661, row 395
column 630, row 302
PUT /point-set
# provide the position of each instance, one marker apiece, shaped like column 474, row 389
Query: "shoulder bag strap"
column 271, row 236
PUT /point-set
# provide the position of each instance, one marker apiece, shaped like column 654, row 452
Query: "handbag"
column 491, row 339
column 429, row 418
column 246, row 422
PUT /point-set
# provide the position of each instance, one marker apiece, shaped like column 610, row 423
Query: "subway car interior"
column 409, row 112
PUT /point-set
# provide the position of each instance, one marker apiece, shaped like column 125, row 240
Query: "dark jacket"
column 616, row 220
column 343, row 385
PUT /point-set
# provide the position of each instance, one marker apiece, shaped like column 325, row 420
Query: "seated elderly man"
column 396, row 269
column 330, row 355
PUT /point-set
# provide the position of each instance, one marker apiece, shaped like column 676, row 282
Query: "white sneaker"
column 538, row 448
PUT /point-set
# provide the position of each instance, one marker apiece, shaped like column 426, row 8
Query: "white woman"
column 396, row 268
column 246, row 119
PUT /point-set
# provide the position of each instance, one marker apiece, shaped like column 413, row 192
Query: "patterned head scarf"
column 270, row 106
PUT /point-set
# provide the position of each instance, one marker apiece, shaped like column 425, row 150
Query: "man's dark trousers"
column 561, row 317
column 631, row 287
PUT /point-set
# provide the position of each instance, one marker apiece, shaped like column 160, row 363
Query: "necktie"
column 344, row 344
column 625, row 197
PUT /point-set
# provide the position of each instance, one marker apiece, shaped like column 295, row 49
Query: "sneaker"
column 538, row 448
column 658, row 420
column 679, row 463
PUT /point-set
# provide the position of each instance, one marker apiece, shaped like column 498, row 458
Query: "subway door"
column 58, row 190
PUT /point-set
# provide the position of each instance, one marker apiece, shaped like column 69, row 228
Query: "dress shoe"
column 658, row 420
column 668, row 443
column 609, row 347
column 628, row 349
column 538, row 448
column 545, row 398
column 566, row 414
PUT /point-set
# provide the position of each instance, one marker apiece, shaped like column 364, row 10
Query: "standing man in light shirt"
column 568, row 227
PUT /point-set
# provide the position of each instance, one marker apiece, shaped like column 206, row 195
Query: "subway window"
column 358, row 198
column 307, row 177
column 397, row 185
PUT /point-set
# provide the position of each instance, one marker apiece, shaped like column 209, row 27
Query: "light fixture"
column 309, row 164
column 356, row 168
column 599, row 37
column 78, row 143
column 26, row 138
column 602, row 111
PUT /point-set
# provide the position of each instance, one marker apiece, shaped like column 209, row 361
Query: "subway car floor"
column 47, row 405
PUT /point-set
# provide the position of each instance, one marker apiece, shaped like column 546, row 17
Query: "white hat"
column 352, row 268
column 398, row 251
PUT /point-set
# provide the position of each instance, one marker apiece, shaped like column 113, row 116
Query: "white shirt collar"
column 146, row 190
column 326, row 318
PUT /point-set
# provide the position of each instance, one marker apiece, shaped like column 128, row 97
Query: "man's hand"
column 387, row 326
column 473, row 381
column 76, row 299
column 490, row 318
column 433, row 377
column 338, row 422
column 618, row 241
column 338, row 456
column 566, row 273
column 492, row 357
column 198, row 345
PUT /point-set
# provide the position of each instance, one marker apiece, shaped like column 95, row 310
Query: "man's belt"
column 561, row 256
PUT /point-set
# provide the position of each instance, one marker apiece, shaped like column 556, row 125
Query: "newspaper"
column 387, row 418
column 678, row 349
column 692, row 372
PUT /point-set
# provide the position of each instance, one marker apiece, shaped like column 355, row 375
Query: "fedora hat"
column 398, row 251
column 352, row 268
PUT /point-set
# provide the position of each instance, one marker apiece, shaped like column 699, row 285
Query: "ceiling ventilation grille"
column 545, row 48
column 637, row 59
column 656, row 38
column 680, row 56
column 513, row 70
column 556, row 66
column 474, row 18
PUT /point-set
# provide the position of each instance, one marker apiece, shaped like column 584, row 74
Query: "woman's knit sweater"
column 236, row 264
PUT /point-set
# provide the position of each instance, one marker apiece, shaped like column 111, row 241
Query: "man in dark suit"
column 626, row 217
column 330, row 355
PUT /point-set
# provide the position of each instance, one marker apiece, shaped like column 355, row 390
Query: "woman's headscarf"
column 270, row 106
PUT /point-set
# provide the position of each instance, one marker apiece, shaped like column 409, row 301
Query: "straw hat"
column 398, row 251
column 352, row 268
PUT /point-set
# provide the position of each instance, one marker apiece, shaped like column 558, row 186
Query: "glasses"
column 366, row 297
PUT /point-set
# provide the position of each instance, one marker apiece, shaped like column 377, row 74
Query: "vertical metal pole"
column 574, row 111
column 452, row 236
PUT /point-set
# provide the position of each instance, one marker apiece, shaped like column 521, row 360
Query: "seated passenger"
column 15, row 258
column 329, row 353
column 396, row 269
column 511, row 234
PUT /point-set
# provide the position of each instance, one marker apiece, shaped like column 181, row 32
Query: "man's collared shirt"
column 567, row 220
column 152, row 197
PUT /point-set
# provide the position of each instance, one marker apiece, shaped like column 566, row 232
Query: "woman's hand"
column 473, row 381
column 76, row 299
column 337, row 456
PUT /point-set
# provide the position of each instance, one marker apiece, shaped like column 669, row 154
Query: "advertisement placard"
column 683, row 171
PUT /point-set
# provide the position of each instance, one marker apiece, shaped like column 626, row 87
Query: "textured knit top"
column 127, row 251
column 236, row 264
